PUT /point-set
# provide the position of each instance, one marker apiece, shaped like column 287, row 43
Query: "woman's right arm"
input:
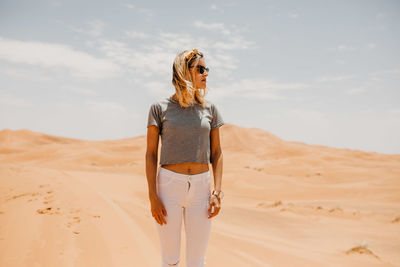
column 157, row 207
column 151, row 160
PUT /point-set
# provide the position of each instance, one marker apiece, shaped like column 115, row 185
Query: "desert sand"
column 70, row 202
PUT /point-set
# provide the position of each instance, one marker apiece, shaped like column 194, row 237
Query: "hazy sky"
column 319, row 72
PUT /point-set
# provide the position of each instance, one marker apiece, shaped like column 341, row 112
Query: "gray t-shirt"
column 185, row 132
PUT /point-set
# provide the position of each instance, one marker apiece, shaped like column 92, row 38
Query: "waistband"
column 185, row 177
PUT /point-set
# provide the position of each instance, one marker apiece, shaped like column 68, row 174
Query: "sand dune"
column 70, row 202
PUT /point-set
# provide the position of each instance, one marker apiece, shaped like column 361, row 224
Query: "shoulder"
column 209, row 104
column 160, row 103
column 155, row 106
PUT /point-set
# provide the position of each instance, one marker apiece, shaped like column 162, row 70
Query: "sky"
column 319, row 72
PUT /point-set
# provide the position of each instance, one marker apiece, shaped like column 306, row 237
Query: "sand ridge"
column 71, row 202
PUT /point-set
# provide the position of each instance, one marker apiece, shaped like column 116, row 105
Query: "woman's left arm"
column 216, row 158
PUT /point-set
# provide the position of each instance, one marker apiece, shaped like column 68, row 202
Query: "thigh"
column 170, row 192
column 170, row 235
column 197, row 223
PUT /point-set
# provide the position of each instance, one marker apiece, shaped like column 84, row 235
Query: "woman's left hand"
column 214, row 202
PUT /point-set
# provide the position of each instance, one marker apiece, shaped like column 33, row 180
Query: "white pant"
column 190, row 193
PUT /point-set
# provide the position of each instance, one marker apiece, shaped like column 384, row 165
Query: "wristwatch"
column 219, row 194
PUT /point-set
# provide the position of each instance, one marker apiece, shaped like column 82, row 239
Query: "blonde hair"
column 183, row 81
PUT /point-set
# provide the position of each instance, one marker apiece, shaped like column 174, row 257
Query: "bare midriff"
column 187, row 167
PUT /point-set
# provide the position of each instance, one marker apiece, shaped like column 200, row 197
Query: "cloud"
column 356, row 90
column 312, row 116
column 26, row 73
column 177, row 41
column 256, row 88
column 232, row 40
column 233, row 43
column 293, row 15
column 136, row 35
column 143, row 63
column 214, row 7
column 371, row 46
column 95, row 28
column 81, row 90
column 335, row 78
column 395, row 112
column 223, row 64
column 144, row 11
column 389, row 71
column 343, row 48
column 105, row 107
column 157, row 59
column 52, row 55
column 218, row 54
column 212, row 26
column 7, row 99
column 157, row 88
column 129, row 5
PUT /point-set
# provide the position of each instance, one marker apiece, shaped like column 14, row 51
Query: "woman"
column 189, row 130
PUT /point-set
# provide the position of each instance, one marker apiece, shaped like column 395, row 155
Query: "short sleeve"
column 217, row 120
column 154, row 117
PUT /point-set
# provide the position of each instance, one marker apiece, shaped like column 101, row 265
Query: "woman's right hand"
column 158, row 210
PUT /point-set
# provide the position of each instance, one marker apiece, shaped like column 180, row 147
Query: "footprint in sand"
column 396, row 220
column 36, row 194
column 48, row 197
column 75, row 219
column 277, row 203
column 336, row 209
column 44, row 211
column 254, row 168
column 48, row 210
column 18, row 196
column 75, row 211
column 265, row 204
column 362, row 249
column 33, row 195
column 23, row 195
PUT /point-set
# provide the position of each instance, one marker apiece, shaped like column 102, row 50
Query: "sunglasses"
column 202, row 69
